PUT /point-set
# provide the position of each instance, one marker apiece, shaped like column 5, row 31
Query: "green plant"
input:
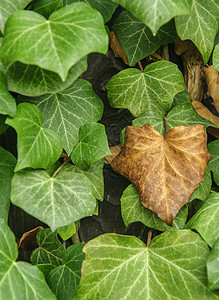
column 58, row 174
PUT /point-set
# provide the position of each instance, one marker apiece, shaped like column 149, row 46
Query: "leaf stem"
column 165, row 122
column 60, row 167
column 140, row 66
column 149, row 237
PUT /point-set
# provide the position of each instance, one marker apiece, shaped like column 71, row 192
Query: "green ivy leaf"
column 55, row 44
column 3, row 126
column 153, row 118
column 34, row 81
column 137, row 39
column 204, row 188
column 216, row 58
column 122, row 267
column 206, row 220
column 67, row 231
column 156, row 13
column 214, row 161
column 7, row 102
column 200, row 26
column 47, row 7
column 153, row 89
column 92, row 146
column 133, row 211
column 213, row 267
column 57, row 201
column 19, row 279
column 7, row 164
column 105, row 7
column 37, row 147
column 67, row 111
column 182, row 98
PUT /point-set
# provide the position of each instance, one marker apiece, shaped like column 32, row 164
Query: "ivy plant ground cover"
column 169, row 152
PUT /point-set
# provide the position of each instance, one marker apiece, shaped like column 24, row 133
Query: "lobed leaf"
column 7, row 102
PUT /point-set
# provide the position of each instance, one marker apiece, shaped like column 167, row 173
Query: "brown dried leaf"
column 212, row 80
column 166, row 171
column 114, row 151
column 28, row 239
column 205, row 113
column 117, row 48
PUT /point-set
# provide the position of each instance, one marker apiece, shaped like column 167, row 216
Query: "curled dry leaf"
column 28, row 239
column 212, row 80
column 117, row 48
column 165, row 170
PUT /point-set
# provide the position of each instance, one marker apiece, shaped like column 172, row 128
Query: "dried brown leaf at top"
column 166, row 171
column 117, row 48
column 212, row 80
column 28, row 239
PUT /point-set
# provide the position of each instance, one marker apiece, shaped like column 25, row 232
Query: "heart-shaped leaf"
column 55, row 44
column 67, row 111
column 122, row 267
column 200, row 26
column 7, row 102
column 37, row 147
column 137, row 39
column 214, row 162
column 19, row 279
column 57, row 201
column 153, row 89
column 165, row 170
column 213, row 267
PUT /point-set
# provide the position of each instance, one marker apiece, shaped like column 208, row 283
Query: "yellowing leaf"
column 205, row 113
column 117, row 48
column 212, row 79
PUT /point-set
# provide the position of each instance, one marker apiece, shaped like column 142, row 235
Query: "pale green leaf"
column 213, row 267
column 57, row 201
column 55, row 44
column 200, row 26
column 37, row 147
column 34, row 81
column 206, row 220
column 214, row 161
column 67, row 231
column 7, row 164
column 137, row 39
column 19, row 280
column 153, row 89
column 46, row 7
column 122, row 267
column 182, row 98
column 7, row 102
column 204, row 188
column 92, row 146
column 133, row 211
column 67, row 111
column 216, row 58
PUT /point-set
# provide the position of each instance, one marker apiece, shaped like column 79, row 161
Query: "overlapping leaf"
column 137, row 39
column 19, row 278
column 182, row 98
column 214, row 162
column 206, row 220
column 122, row 267
column 200, row 26
column 204, row 188
column 7, row 102
column 46, row 7
column 55, row 44
column 67, row 231
column 153, row 89
column 38, row 147
column 213, row 267
column 67, row 111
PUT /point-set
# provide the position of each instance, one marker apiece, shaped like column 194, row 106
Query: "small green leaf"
column 92, row 146
column 122, row 267
column 50, row 250
column 153, row 89
column 204, row 188
column 57, row 201
column 214, row 161
column 46, row 7
column 67, row 231
column 37, row 147
column 151, row 117
column 216, row 58
column 19, row 280
column 55, row 44
column 182, row 98
column 7, row 102
column 137, row 39
column 133, row 211
column 213, row 267
column 206, row 220
column 7, row 164
column 200, row 26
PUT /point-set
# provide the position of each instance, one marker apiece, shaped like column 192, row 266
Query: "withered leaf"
column 117, row 48
column 28, row 239
column 212, row 80
column 165, row 170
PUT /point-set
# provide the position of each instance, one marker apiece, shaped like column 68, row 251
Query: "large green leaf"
column 133, row 211
column 92, row 146
column 214, row 162
column 31, row 80
column 204, row 188
column 213, row 267
column 137, row 39
column 156, row 13
column 122, row 267
column 200, row 26
column 57, row 201
column 55, row 44
column 7, row 102
column 206, row 220
column 7, row 164
column 19, row 280
column 153, row 89
column 67, row 111
column 37, row 147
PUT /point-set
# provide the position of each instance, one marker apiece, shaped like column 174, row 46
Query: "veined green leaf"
column 67, row 231
column 214, row 161
column 204, row 188
column 151, row 117
column 7, row 102
column 182, row 98
column 213, row 267
column 47, row 7
column 37, row 147
column 55, row 44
